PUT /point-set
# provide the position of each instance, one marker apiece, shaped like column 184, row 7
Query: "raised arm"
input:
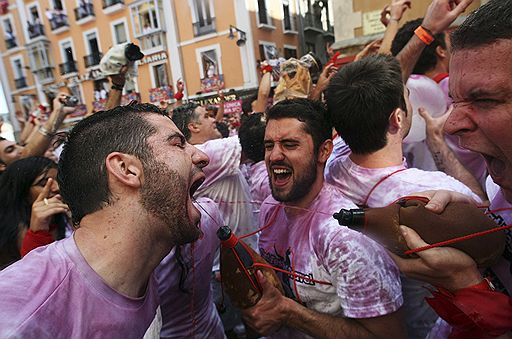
column 395, row 11
column 39, row 141
column 116, row 90
column 263, row 92
column 440, row 15
column 220, row 112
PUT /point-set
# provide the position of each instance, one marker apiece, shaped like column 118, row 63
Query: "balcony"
column 112, row 6
column 152, row 41
column 203, row 27
column 58, row 20
column 68, row 67
column 35, row 30
column 20, row 82
column 11, row 43
column 92, row 59
column 44, row 74
column 312, row 24
column 83, row 12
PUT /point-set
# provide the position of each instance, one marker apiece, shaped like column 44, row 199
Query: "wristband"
column 45, row 132
column 424, row 35
column 266, row 69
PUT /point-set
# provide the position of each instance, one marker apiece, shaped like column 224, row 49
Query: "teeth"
column 281, row 171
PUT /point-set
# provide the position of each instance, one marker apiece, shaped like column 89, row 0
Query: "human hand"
column 325, row 77
column 434, row 126
column 59, row 104
column 270, row 313
column 120, row 78
column 220, row 93
column 21, row 117
column 394, row 11
column 369, row 49
column 438, row 199
column 45, row 207
column 441, row 13
column 445, row 267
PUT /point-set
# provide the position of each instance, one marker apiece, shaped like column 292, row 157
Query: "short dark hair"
column 183, row 115
column 360, row 99
column 252, row 135
column 428, row 57
column 82, row 175
column 487, row 24
column 312, row 113
column 247, row 103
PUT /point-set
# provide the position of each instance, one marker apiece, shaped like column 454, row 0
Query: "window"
column 35, row 26
column 69, row 63
column 203, row 17
column 94, row 56
column 145, row 18
column 268, row 51
column 120, row 35
column 290, row 52
column 288, row 19
column 40, row 62
column 160, row 75
column 10, row 35
column 263, row 17
column 19, row 74
column 209, row 63
column 147, row 24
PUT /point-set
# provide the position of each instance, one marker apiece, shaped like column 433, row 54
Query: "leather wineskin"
column 457, row 220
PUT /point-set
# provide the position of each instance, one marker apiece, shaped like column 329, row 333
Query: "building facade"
column 358, row 21
column 50, row 45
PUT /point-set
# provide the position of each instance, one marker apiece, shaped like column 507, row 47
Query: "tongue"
column 282, row 178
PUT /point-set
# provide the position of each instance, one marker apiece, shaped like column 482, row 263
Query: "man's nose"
column 459, row 120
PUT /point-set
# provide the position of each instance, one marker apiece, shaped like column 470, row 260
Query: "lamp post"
column 241, row 35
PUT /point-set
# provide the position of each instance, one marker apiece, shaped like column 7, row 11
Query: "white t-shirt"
column 364, row 280
column 357, row 182
column 226, row 185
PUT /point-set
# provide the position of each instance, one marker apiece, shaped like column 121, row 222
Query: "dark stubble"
column 164, row 195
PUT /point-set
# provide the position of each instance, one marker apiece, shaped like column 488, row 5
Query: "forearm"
column 220, row 112
column 316, row 93
column 321, row 325
column 28, row 128
column 263, row 92
column 114, row 98
column 41, row 136
column 409, row 55
column 389, row 35
column 447, row 162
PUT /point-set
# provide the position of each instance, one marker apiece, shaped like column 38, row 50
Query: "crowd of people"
column 110, row 230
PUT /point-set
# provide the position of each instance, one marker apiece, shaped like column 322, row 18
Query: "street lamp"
column 242, row 35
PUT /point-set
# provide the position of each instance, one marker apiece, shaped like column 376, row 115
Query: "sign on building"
column 372, row 24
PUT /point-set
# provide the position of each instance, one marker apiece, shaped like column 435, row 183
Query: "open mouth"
column 195, row 185
column 495, row 166
column 281, row 175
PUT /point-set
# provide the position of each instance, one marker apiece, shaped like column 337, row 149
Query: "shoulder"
column 31, row 282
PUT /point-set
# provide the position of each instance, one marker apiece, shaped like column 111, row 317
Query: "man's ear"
column 2, row 167
column 125, row 168
column 441, row 52
column 325, row 151
column 193, row 127
column 396, row 120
